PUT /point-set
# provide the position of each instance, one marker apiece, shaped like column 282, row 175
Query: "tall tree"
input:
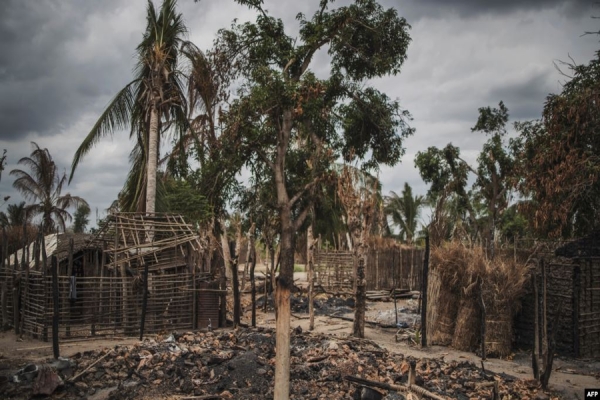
column 81, row 218
column 559, row 157
column 287, row 115
column 404, row 210
column 16, row 215
column 43, row 185
column 148, row 105
column 495, row 173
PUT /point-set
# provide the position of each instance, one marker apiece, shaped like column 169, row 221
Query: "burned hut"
column 27, row 285
column 569, row 275
column 386, row 268
column 138, row 272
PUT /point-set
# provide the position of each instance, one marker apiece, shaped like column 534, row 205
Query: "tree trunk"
column 310, row 265
column 282, row 301
column 152, row 162
column 252, row 258
column 358, row 328
column 235, row 288
column 226, row 252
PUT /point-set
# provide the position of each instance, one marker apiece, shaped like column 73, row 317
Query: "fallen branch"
column 73, row 379
column 409, row 388
column 298, row 316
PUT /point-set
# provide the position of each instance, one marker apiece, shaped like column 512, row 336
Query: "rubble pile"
column 240, row 364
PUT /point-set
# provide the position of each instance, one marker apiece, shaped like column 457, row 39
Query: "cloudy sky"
column 61, row 62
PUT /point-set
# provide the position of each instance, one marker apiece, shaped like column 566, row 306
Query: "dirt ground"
column 568, row 380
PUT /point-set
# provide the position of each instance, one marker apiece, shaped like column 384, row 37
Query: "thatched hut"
column 102, row 280
column 572, row 298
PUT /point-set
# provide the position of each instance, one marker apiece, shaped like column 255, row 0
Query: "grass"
column 298, row 268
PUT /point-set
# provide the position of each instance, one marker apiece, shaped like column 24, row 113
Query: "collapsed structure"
column 102, row 280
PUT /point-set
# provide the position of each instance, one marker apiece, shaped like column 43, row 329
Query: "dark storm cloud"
column 44, row 77
column 524, row 98
column 416, row 9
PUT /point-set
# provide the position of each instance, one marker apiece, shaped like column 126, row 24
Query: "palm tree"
column 148, row 105
column 404, row 211
column 44, row 185
column 15, row 215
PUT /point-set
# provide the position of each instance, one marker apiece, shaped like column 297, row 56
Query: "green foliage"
column 43, row 185
column 559, row 157
column 157, row 87
column 16, row 215
column 404, row 210
column 183, row 198
column 2, row 162
column 479, row 208
column 286, row 119
column 81, row 219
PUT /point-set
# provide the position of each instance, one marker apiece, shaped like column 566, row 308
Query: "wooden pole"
column 25, row 300
column 71, row 282
column 101, row 301
column 17, row 294
column 235, row 284
column 44, row 286
column 253, row 286
column 483, row 317
column 145, row 300
column 424, row 286
column 576, row 311
column 536, row 329
column 311, row 277
column 358, row 329
column 55, row 299
column 544, row 315
column 4, row 272
column 394, row 285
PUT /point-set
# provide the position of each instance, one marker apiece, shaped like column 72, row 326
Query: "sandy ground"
column 569, row 377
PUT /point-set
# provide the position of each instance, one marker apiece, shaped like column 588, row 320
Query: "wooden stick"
column 56, row 308
column 73, row 379
column 410, row 388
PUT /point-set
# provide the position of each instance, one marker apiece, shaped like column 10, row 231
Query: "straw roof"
column 56, row 244
column 586, row 247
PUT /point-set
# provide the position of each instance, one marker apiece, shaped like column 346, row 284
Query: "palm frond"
column 116, row 116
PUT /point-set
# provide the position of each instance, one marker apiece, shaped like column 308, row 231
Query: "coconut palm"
column 16, row 215
column 404, row 211
column 150, row 104
column 43, row 185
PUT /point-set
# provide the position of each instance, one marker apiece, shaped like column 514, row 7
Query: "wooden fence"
column 385, row 269
column 91, row 306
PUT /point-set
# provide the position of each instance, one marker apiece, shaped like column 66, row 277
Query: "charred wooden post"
column 544, row 314
column 145, row 301
column 235, row 287
column 311, row 284
column 358, row 328
column 101, row 308
column 56, row 307
column 253, row 286
column 16, row 295
column 72, row 287
column 5, row 274
column 549, row 357
column 251, row 258
column 483, row 318
column 44, row 284
column 576, row 308
column 424, row 287
column 536, row 330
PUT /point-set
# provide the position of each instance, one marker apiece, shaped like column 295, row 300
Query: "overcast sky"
column 61, row 62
